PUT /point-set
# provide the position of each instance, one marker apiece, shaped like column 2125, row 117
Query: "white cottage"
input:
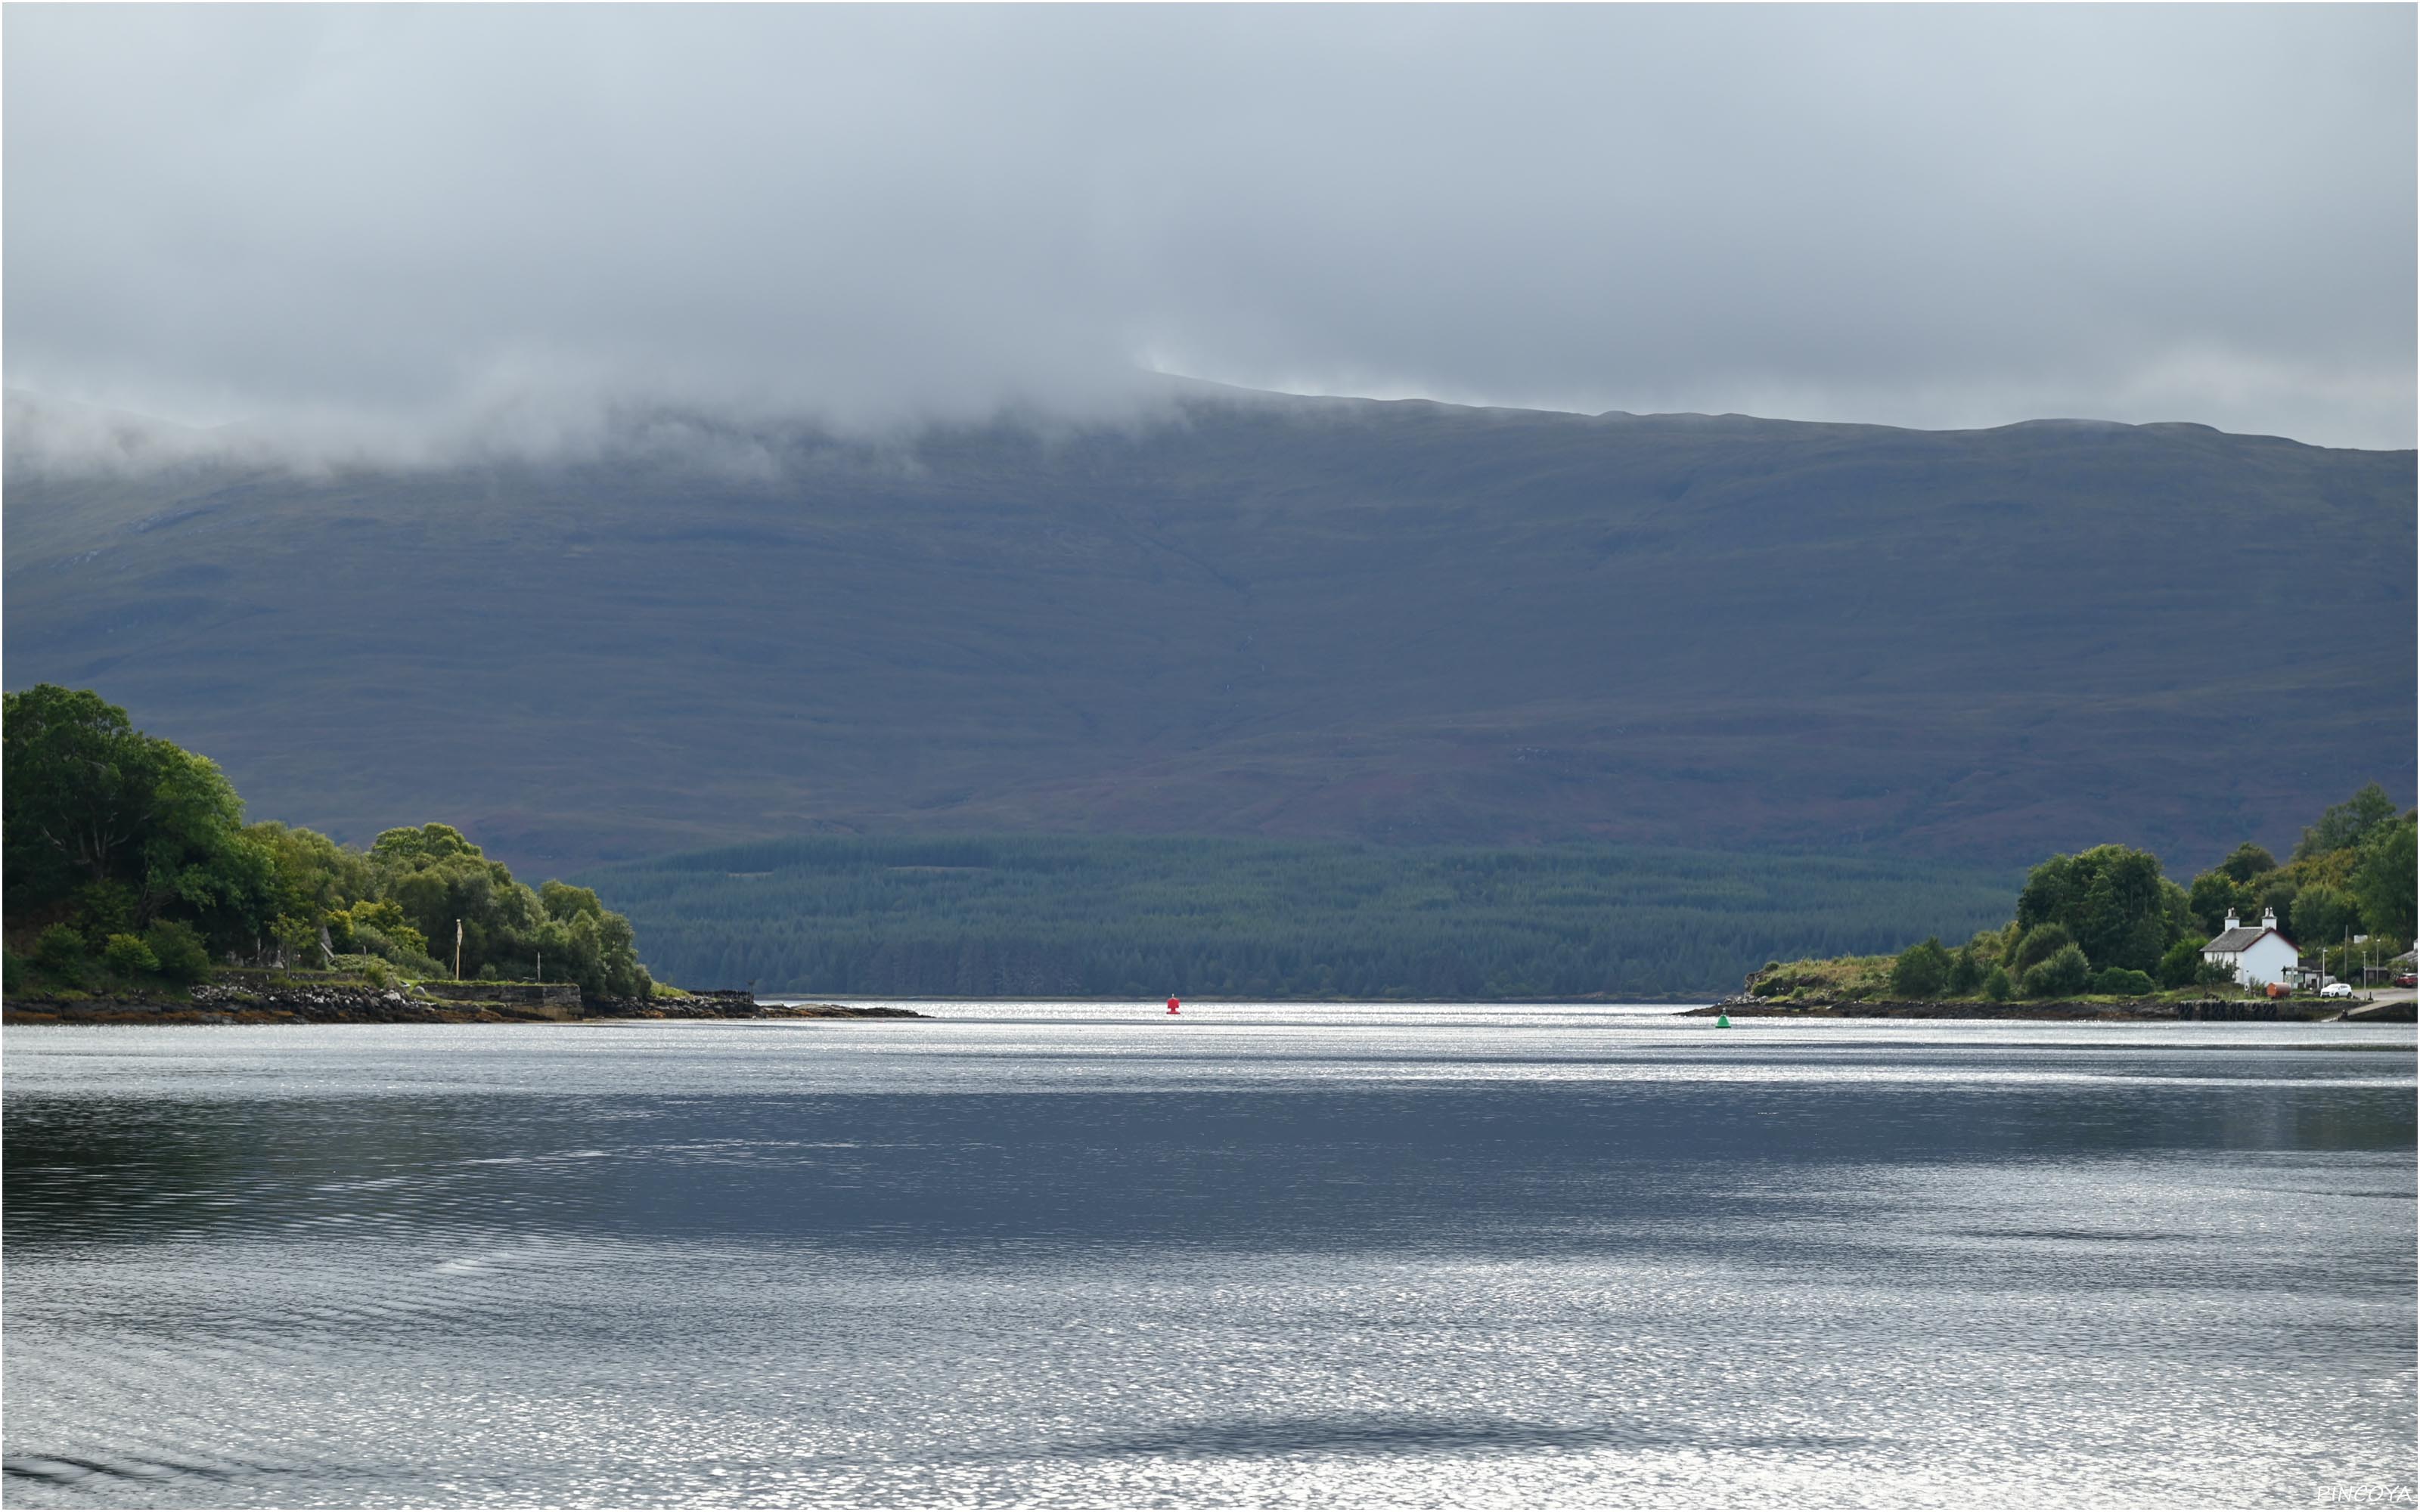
column 2258, row 956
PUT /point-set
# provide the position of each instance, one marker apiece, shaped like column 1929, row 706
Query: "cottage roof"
column 2238, row 939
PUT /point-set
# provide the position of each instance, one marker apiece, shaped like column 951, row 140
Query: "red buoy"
column 1172, row 1005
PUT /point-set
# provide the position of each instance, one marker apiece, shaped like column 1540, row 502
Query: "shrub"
column 2067, row 972
column 104, row 908
column 1996, row 985
column 298, row 942
column 2213, row 974
column 2119, row 982
column 127, row 955
column 375, row 928
column 411, row 962
column 369, row 969
column 2036, row 946
column 1921, row 970
column 2182, row 965
column 178, row 949
column 59, row 952
column 1965, row 974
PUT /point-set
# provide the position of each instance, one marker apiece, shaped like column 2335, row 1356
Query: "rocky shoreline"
column 733, row 1005
column 2143, row 1010
column 337, row 1003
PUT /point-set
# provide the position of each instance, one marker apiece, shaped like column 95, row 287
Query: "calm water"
column 1328, row 1257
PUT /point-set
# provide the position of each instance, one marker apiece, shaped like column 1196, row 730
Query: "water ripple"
column 1406, row 1257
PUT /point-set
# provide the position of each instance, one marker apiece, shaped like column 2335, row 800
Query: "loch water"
column 1337, row 1255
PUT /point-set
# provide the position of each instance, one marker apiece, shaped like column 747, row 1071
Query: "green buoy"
column 1722, row 1021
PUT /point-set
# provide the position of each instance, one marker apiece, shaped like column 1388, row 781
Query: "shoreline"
column 334, row 1003
column 212, row 1003
column 2064, row 1011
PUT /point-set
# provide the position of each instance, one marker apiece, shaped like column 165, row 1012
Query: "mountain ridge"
column 1163, row 400
column 1282, row 616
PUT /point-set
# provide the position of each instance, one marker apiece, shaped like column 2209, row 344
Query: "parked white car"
column 2336, row 989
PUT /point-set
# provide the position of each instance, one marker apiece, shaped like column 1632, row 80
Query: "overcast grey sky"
column 406, row 222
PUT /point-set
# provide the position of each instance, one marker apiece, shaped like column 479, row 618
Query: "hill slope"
column 938, row 917
column 1400, row 622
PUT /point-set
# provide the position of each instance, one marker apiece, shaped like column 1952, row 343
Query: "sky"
column 416, row 229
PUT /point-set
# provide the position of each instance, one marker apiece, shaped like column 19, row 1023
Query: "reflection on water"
column 1063, row 1254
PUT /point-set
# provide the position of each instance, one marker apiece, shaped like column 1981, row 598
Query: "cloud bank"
column 415, row 231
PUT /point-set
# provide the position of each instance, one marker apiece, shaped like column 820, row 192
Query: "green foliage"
column 2066, row 973
column 122, row 829
column 1847, row 977
column 2277, row 893
column 298, row 942
column 2345, row 826
column 2134, row 928
column 422, row 846
column 316, row 878
column 2245, row 862
column 1966, row 972
column 140, row 844
column 370, row 968
column 377, row 926
column 2322, row 916
column 2383, row 878
column 2346, row 962
column 178, row 950
column 2214, row 896
column 2112, row 901
column 198, row 863
column 2180, row 966
column 1921, row 970
column 437, row 878
column 2119, row 982
column 78, row 788
column 101, row 909
column 1996, row 985
column 127, row 956
column 564, row 902
column 2207, row 973
column 2035, row 946
column 60, row 951
column 2352, row 873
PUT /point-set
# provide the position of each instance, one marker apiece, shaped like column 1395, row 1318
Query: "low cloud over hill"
column 1251, row 615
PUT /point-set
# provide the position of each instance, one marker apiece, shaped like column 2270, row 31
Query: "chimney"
column 2268, row 919
column 2232, row 922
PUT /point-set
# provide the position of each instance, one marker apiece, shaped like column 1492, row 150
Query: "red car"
column 2408, row 979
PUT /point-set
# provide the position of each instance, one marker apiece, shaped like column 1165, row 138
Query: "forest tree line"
column 1130, row 917
column 2106, row 921
column 128, row 861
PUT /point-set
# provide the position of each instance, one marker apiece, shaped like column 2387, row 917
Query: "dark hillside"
column 1402, row 622
column 970, row 915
